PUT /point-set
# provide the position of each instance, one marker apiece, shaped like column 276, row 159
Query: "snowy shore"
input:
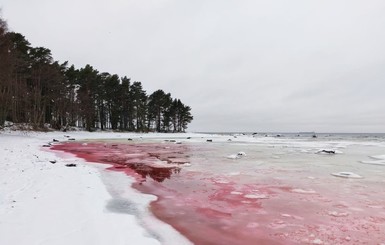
column 291, row 184
column 45, row 202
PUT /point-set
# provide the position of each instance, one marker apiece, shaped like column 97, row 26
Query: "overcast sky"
column 250, row 65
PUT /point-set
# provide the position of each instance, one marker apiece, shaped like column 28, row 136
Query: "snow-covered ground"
column 45, row 202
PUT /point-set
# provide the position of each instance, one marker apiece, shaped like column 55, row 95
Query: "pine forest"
column 39, row 91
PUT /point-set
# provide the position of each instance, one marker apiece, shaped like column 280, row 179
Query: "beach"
column 48, row 203
column 191, row 188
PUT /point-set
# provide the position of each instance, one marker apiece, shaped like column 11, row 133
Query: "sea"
column 256, row 188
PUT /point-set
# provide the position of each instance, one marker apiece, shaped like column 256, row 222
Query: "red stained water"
column 213, row 208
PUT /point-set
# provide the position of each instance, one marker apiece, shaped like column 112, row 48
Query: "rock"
column 327, row 151
column 209, row 140
column 129, row 139
column 71, row 139
column 52, row 161
column 47, row 145
column 55, row 140
column 70, row 165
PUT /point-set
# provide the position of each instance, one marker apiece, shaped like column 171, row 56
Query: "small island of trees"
column 37, row 90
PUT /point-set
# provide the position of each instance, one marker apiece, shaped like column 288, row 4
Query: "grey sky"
column 273, row 65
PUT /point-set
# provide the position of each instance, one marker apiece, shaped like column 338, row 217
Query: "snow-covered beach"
column 234, row 188
column 48, row 203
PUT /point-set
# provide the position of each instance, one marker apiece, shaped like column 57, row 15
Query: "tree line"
column 36, row 89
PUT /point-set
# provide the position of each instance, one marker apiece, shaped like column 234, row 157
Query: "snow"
column 48, row 203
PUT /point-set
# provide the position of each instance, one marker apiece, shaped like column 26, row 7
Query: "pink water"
column 266, row 198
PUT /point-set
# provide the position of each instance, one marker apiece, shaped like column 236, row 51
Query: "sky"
column 242, row 66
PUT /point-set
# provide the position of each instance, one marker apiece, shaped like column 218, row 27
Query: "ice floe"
column 347, row 175
column 375, row 162
column 302, row 191
column 237, row 156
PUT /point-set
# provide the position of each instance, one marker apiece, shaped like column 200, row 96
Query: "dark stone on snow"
column 209, row 140
column 71, row 165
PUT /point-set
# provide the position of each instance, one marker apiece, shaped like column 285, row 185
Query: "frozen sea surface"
column 280, row 190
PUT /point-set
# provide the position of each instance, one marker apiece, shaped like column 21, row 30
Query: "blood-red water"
column 210, row 207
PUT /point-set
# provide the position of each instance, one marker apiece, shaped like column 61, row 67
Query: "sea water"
column 258, row 189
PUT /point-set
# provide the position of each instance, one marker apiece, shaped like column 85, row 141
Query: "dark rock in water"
column 70, row 165
column 188, row 138
column 129, row 139
column 314, row 136
column 46, row 145
column 55, row 140
column 329, row 152
column 209, row 140
column 67, row 136
column 255, row 133
column 71, row 139
column 52, row 161
column 173, row 141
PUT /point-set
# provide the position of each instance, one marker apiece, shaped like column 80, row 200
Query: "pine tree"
column 87, row 96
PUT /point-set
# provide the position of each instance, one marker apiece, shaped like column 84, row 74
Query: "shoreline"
column 214, row 186
column 48, row 203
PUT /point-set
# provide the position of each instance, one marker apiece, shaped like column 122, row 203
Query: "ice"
column 379, row 157
column 237, row 156
column 337, row 214
column 302, row 191
column 347, row 175
column 255, row 196
column 378, row 162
